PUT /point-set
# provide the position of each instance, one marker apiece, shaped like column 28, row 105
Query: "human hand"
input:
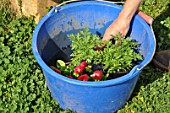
column 120, row 25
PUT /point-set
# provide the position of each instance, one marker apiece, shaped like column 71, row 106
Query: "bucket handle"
column 71, row 1
column 147, row 18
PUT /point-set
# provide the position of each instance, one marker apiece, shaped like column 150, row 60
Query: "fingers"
column 109, row 33
column 108, row 36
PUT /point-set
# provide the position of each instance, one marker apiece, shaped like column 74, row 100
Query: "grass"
column 22, row 84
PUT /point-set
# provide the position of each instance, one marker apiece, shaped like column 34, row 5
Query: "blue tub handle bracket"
column 51, row 11
column 134, row 69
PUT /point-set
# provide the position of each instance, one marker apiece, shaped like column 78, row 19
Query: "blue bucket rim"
column 134, row 72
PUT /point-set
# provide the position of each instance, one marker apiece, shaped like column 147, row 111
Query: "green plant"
column 120, row 56
column 89, row 50
column 6, row 15
column 151, row 94
column 20, row 5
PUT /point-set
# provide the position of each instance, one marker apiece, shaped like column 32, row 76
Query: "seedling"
column 100, row 59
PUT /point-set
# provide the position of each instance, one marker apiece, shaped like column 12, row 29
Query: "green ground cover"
column 22, row 84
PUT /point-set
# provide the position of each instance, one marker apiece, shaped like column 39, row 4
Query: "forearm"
column 129, row 9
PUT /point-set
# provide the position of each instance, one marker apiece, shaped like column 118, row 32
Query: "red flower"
column 57, row 70
column 83, row 64
column 70, row 76
column 97, row 75
column 78, row 69
column 83, row 77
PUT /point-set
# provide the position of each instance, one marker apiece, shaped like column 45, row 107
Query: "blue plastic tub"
column 50, row 36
